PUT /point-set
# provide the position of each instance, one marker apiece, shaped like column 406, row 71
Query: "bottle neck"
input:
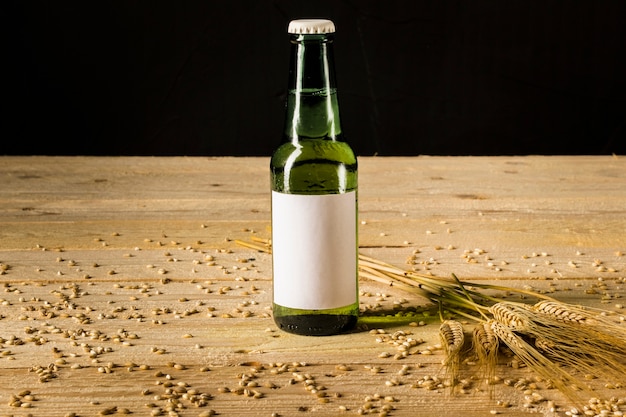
column 312, row 106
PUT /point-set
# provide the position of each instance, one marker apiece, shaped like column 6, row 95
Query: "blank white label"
column 314, row 247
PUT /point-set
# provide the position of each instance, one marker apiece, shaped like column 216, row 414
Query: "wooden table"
column 125, row 292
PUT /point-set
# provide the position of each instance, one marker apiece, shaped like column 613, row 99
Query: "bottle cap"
column 311, row 26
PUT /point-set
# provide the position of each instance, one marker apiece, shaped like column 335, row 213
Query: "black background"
column 414, row 77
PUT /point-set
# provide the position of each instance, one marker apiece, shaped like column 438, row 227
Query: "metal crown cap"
column 311, row 26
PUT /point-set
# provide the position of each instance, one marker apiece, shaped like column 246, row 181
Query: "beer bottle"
column 314, row 196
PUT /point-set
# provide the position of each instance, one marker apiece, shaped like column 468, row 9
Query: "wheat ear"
column 562, row 380
column 485, row 345
column 452, row 339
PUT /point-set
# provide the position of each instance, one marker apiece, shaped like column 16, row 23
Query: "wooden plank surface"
column 123, row 287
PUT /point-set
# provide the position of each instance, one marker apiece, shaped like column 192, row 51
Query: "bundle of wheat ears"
column 564, row 344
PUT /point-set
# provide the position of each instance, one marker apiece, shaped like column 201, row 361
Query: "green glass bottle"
column 314, row 196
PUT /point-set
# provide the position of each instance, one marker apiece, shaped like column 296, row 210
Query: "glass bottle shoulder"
column 314, row 166
column 305, row 150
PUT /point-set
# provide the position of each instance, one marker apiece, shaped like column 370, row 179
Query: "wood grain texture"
column 112, row 265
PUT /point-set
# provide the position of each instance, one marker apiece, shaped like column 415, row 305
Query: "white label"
column 314, row 248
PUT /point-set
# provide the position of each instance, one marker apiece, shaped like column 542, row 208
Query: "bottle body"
column 314, row 203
